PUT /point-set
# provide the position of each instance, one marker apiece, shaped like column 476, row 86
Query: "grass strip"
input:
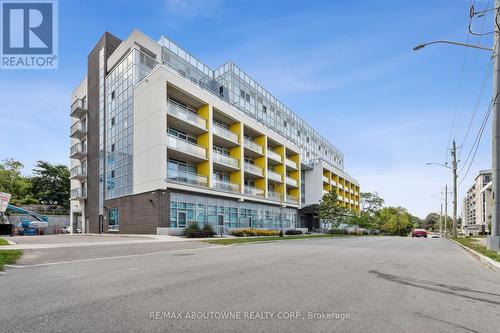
column 474, row 245
column 241, row 240
column 9, row 257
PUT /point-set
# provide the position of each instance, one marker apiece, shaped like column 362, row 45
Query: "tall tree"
column 397, row 222
column 331, row 210
column 371, row 202
column 13, row 182
column 51, row 183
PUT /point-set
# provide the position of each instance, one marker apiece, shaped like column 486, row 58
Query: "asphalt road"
column 366, row 284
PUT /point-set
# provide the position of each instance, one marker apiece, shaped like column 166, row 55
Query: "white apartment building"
column 476, row 206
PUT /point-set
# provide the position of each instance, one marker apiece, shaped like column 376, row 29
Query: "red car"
column 419, row 233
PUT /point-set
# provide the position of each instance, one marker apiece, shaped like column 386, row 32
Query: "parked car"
column 374, row 232
column 433, row 236
column 419, row 233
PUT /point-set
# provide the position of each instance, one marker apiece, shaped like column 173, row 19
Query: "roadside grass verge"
column 241, row 240
column 474, row 245
column 3, row 242
column 9, row 257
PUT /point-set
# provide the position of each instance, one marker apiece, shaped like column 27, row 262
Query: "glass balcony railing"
column 274, row 176
column 271, row 154
column 78, row 108
column 186, row 177
column 183, row 113
column 326, row 180
column 291, row 164
column 186, row 147
column 78, row 193
column 225, row 160
column 225, row 133
column 250, row 190
column 253, row 146
column 253, row 169
column 291, row 181
column 226, row 186
column 78, row 172
column 78, row 128
column 292, row 199
column 78, row 149
column 275, row 196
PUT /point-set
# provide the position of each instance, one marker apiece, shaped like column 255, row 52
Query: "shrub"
column 337, row 231
column 293, row 232
column 194, row 231
column 254, row 232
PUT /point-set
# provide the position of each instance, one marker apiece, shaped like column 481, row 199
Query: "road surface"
column 355, row 284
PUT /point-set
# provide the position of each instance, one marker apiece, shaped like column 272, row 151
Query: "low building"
column 160, row 140
column 477, row 205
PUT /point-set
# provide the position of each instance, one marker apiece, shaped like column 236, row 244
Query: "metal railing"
column 78, row 171
column 183, row 113
column 292, row 199
column 253, row 169
column 225, row 160
column 274, row 176
column 291, row 163
column 186, row 177
column 225, row 133
column 253, row 146
column 273, row 155
column 78, row 126
column 186, row 146
column 226, row 186
column 79, row 104
column 251, row 190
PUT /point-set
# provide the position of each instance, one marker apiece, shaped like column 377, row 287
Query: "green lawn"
column 9, row 257
column 3, row 242
column 473, row 244
column 241, row 240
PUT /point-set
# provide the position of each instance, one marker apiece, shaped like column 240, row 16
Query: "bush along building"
column 159, row 141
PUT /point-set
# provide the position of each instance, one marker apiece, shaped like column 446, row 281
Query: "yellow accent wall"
column 280, row 168
column 261, row 162
column 205, row 140
column 237, row 177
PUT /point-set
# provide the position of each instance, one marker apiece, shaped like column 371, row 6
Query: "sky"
column 346, row 67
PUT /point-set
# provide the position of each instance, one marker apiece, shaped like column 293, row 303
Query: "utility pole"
column 454, row 169
column 493, row 240
column 441, row 220
column 445, row 209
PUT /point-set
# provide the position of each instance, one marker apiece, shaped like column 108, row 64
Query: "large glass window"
column 113, row 219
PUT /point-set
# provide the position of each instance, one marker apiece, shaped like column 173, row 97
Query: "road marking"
column 114, row 257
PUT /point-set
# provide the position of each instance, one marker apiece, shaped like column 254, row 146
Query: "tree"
column 330, row 209
column 431, row 221
column 51, row 184
column 370, row 202
column 13, row 182
column 398, row 222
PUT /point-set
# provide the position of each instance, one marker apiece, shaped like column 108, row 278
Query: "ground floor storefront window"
column 186, row 209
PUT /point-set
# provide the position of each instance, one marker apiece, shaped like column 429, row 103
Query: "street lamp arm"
column 444, row 166
column 420, row 46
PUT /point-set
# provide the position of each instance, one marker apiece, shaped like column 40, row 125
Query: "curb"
column 482, row 258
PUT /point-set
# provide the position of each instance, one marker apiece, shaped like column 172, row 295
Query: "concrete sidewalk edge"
column 482, row 258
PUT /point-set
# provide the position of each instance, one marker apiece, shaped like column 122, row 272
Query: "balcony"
column 252, row 146
column 290, row 164
column 226, row 162
column 78, row 173
column 254, row 170
column 291, row 182
column 78, row 194
column 186, row 177
column 271, row 175
column 326, row 180
column 254, row 191
column 226, row 186
column 185, row 149
column 78, row 130
column 79, row 108
column 224, row 136
column 183, row 117
column 274, row 196
column 334, row 183
column 340, row 186
column 292, row 199
column 78, row 151
column 274, row 156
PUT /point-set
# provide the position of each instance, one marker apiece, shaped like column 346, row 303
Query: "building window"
column 113, row 219
column 264, row 109
column 112, row 173
column 112, row 147
column 284, row 123
column 113, row 95
column 298, row 134
column 221, row 90
column 242, row 94
column 113, row 121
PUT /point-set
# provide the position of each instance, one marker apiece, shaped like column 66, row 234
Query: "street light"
column 421, row 46
column 440, row 164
